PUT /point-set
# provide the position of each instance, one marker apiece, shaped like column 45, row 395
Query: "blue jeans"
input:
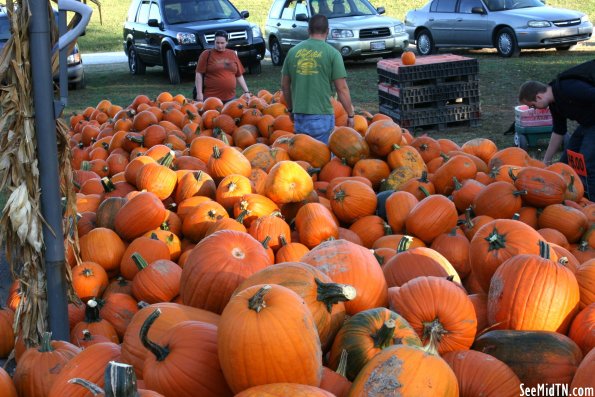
column 318, row 126
column 583, row 141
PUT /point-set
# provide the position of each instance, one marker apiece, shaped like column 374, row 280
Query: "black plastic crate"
column 427, row 101
column 440, row 118
column 429, row 93
column 439, row 71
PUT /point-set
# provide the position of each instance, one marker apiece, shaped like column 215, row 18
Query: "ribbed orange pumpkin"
column 284, row 389
column 460, row 167
column 431, row 217
column 183, row 362
column 104, row 247
column 288, row 182
column 89, row 280
column 231, row 189
column 276, row 319
column 158, row 281
column 90, row 365
column 94, row 324
column 440, row 312
column 381, row 135
column 583, row 376
column 133, row 351
column 323, row 297
column 6, row 331
column 217, row 265
column 140, row 214
column 199, row 218
column 411, row 372
column 39, row 367
column 454, row 246
column 582, row 330
column 352, row 200
column 480, row 374
column 7, row 388
column 495, row 242
column 315, row 224
column 571, row 222
column 346, row 143
column 585, row 275
column 272, row 226
column 548, row 305
column 498, row 200
column 226, row 161
column 347, row 263
column 156, row 178
column 543, row 187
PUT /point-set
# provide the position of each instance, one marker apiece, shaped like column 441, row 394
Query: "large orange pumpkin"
column 277, row 320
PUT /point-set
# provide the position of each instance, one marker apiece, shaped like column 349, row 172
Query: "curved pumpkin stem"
column 424, row 177
column 108, row 185
column 379, row 258
column 384, row 336
column 120, row 380
column 167, row 160
column 46, row 343
column 243, row 214
column 333, row 293
column 457, row 184
column 469, row 218
column 257, row 303
column 424, row 191
column 160, row 352
column 140, row 262
column 282, row 240
column 511, row 174
column 404, row 243
column 387, row 229
column 265, row 242
column 92, row 387
column 342, row 367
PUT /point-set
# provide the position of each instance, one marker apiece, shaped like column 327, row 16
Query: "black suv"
column 173, row 33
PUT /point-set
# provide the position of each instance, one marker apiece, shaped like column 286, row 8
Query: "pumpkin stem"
column 516, row 216
column 424, row 177
column 511, row 174
column 313, row 170
column 257, row 302
column 404, row 243
column 544, row 249
column 379, row 258
column 340, row 195
column 160, row 352
column 108, row 185
column 120, row 380
column 140, row 262
column 342, row 367
column 570, row 186
column 384, row 337
column 142, row 304
column 46, row 343
column 92, row 387
column 453, row 231
column 243, row 215
column 387, row 229
column 154, row 235
column 333, row 293
column 563, row 261
column 457, row 184
column 265, row 242
column 496, row 240
column 424, row 191
column 395, row 146
column 92, row 312
column 469, row 219
column 87, row 336
column 583, row 246
column 216, row 152
column 282, row 240
column 167, row 160
column 519, row 192
column 433, row 331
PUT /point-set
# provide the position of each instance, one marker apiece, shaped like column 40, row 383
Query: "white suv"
column 356, row 28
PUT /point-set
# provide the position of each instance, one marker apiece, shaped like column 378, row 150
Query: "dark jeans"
column 583, row 141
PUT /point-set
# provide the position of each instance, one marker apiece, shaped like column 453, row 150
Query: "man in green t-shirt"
column 310, row 70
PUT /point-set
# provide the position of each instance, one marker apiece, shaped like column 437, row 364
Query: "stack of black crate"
column 438, row 91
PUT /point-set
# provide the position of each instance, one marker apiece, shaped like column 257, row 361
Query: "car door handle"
column 294, row 26
column 459, row 19
column 431, row 19
column 278, row 23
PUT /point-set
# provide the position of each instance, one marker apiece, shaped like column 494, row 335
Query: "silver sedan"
column 507, row 25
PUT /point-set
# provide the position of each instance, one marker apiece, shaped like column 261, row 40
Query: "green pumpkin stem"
column 519, row 193
column 333, row 293
column 433, row 332
column 243, row 215
column 167, row 160
column 46, row 343
column 384, row 337
column 516, row 216
column 92, row 387
column 469, row 218
column 92, row 312
column 495, row 240
column 387, row 229
column 424, row 177
column 160, row 352
column 544, row 249
column 265, row 242
column 139, row 261
column 257, row 302
column 282, row 240
column 379, row 258
column 342, row 367
column 404, row 243
column 457, row 184
column 120, row 380
column 511, row 174
column 108, row 185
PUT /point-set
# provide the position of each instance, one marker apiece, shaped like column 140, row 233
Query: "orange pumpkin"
column 408, row 58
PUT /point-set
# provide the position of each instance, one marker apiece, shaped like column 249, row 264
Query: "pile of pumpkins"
column 222, row 254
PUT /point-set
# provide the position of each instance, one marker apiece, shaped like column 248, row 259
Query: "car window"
column 501, row 5
column 443, row 6
column 342, row 8
column 288, row 10
column 465, row 6
column 276, row 9
column 132, row 11
column 182, row 11
column 143, row 12
column 154, row 12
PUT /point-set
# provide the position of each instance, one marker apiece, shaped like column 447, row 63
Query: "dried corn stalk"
column 21, row 219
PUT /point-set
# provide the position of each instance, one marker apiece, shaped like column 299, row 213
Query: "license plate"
column 377, row 45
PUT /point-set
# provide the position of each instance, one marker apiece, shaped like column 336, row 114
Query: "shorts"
column 318, row 126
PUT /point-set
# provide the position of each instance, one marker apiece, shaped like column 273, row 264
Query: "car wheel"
column 506, row 43
column 135, row 64
column 565, row 47
column 425, row 43
column 521, row 141
column 171, row 66
column 255, row 68
column 277, row 56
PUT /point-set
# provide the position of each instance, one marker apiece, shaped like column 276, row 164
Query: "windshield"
column 502, row 5
column 183, row 11
column 341, row 8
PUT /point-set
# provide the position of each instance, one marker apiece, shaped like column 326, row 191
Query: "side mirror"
column 245, row 14
column 153, row 23
column 301, row 17
column 478, row 10
column 380, row 10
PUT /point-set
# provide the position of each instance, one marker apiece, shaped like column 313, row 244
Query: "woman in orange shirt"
column 218, row 70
